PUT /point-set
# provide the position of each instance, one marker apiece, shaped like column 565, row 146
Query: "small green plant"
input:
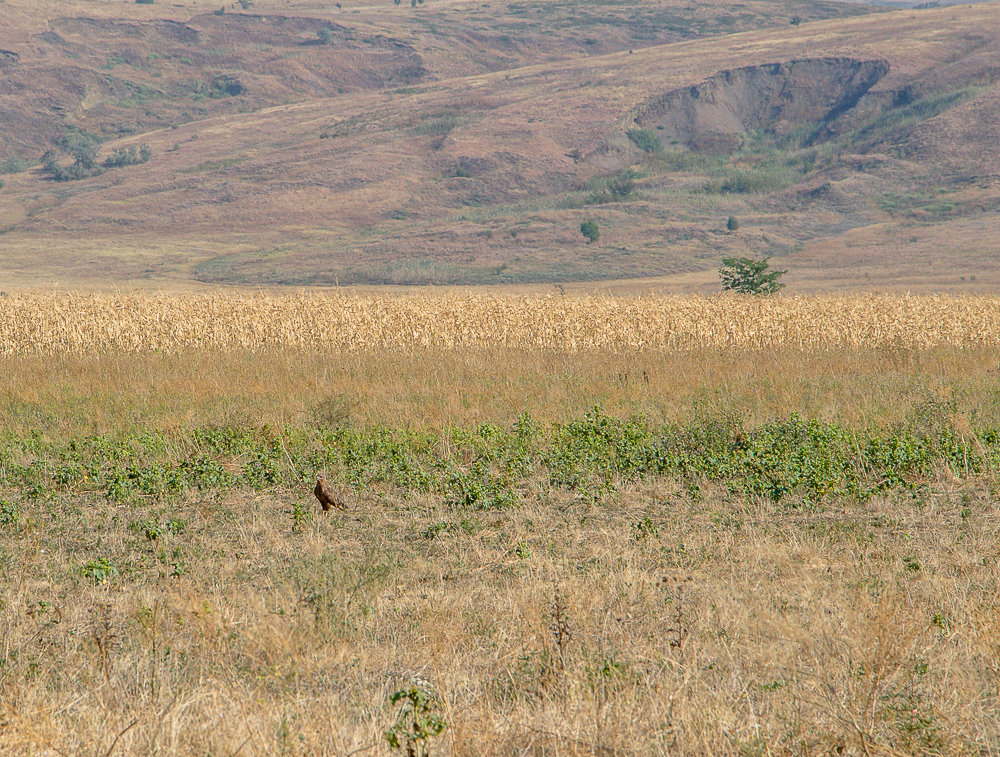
column 300, row 516
column 84, row 162
column 418, row 720
column 590, row 231
column 749, row 276
column 732, row 224
column 99, row 570
column 480, row 489
column 679, row 630
column 605, row 189
column 644, row 529
column 431, row 532
column 10, row 515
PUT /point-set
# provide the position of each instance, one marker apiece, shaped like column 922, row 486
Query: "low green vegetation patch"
column 792, row 459
column 615, row 188
column 438, row 124
column 216, row 165
column 16, row 164
column 83, row 146
column 912, row 111
column 645, row 139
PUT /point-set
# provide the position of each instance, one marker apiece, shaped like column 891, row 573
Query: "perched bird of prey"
column 327, row 496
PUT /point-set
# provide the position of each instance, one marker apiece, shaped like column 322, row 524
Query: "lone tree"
column 590, row 231
column 749, row 276
column 732, row 224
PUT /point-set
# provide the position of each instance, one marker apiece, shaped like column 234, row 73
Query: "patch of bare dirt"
column 778, row 97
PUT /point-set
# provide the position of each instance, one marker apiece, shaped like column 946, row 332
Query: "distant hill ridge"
column 341, row 148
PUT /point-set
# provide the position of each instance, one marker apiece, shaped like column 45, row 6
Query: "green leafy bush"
column 749, row 276
column 590, row 231
column 646, row 140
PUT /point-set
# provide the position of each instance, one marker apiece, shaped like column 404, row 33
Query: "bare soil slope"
column 860, row 152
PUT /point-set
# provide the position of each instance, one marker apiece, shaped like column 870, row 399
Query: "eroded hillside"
column 116, row 71
column 860, row 152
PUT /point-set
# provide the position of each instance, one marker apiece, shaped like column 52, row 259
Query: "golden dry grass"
column 712, row 628
column 65, row 396
column 64, row 323
column 700, row 622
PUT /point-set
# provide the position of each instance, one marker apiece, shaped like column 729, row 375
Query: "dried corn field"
column 45, row 322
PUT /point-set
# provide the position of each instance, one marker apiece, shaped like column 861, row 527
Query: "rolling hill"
column 464, row 143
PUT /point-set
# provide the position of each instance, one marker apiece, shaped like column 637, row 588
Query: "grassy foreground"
column 743, row 552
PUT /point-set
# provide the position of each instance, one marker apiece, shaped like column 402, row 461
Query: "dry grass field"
column 598, row 547
column 591, row 508
column 344, row 321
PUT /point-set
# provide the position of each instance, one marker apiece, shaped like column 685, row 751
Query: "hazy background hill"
column 297, row 143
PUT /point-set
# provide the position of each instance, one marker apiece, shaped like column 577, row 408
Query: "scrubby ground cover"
column 702, row 573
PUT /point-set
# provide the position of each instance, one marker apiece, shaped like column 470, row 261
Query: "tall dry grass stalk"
column 54, row 322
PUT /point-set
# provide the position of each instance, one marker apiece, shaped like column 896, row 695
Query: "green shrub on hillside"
column 14, row 164
column 590, row 231
column 645, row 139
column 128, row 156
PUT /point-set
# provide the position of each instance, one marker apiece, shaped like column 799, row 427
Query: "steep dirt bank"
column 777, row 97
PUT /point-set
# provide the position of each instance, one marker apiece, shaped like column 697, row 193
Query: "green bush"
column 14, row 164
column 128, row 156
column 622, row 186
column 590, row 231
column 604, row 189
column 749, row 276
column 82, row 146
column 645, row 139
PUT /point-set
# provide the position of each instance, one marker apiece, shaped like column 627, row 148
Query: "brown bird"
column 327, row 497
